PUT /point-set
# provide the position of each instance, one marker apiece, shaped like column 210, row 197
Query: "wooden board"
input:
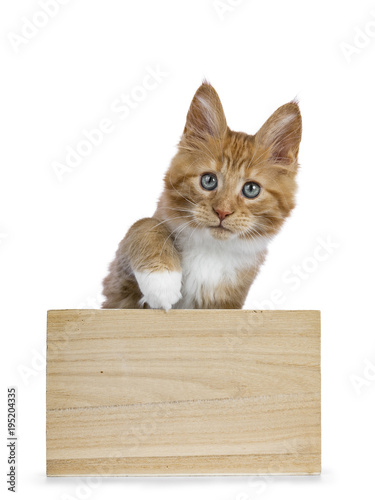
column 145, row 392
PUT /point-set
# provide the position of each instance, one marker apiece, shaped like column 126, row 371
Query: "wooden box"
column 187, row 392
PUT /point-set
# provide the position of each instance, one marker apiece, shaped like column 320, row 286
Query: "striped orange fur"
column 226, row 194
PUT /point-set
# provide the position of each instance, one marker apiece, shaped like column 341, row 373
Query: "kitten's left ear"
column 206, row 116
column 282, row 133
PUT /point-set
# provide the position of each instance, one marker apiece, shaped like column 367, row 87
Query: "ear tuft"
column 206, row 115
column 282, row 133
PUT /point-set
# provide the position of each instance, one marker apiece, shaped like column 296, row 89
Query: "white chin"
column 219, row 233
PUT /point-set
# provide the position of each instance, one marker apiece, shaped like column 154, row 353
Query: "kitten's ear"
column 206, row 115
column 281, row 134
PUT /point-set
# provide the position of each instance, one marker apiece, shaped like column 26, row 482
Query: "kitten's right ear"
column 206, row 116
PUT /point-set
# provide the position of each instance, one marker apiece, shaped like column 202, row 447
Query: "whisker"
column 171, row 233
column 186, row 225
column 177, row 209
column 194, row 204
column 172, row 218
column 199, row 224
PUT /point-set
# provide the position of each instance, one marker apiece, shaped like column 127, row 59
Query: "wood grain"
column 145, row 392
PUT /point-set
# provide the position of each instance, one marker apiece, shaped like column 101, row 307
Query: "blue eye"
column 251, row 190
column 209, row 182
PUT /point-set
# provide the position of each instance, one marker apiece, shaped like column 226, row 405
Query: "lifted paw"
column 161, row 289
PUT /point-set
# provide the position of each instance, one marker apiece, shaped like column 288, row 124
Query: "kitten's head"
column 231, row 184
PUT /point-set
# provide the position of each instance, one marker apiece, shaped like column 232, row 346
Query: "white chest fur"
column 207, row 262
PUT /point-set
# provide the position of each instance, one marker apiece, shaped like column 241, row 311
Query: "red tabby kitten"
column 226, row 195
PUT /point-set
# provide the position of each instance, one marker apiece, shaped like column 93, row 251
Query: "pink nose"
column 221, row 214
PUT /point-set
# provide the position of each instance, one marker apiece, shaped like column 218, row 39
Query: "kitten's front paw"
column 160, row 289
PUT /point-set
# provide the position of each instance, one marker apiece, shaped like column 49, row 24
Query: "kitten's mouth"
column 220, row 227
column 220, row 232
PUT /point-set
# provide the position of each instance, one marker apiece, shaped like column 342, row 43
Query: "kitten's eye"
column 209, row 181
column 251, row 190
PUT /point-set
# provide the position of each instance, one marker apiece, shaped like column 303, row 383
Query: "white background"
column 57, row 237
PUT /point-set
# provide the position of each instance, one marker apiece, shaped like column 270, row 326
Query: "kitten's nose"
column 221, row 214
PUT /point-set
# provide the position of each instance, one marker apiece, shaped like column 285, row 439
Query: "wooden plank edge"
column 285, row 464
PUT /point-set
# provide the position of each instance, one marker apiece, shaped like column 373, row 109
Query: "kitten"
column 226, row 195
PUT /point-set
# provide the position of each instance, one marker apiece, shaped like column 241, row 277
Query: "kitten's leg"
column 146, row 270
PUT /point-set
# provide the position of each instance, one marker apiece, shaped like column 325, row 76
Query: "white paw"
column 160, row 289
